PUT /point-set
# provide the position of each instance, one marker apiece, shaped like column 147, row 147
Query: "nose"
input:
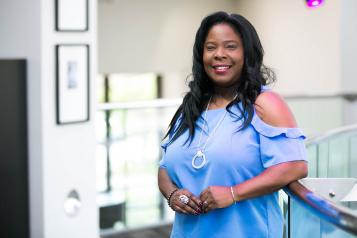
column 220, row 53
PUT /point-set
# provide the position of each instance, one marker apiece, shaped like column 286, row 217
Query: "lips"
column 220, row 69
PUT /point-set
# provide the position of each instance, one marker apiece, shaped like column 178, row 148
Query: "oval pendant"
column 195, row 163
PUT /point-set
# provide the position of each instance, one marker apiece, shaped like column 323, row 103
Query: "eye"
column 210, row 47
column 231, row 46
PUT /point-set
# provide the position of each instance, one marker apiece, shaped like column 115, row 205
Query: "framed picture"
column 71, row 15
column 72, row 83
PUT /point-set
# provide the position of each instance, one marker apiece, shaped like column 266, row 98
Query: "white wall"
column 152, row 36
column 348, row 35
column 61, row 158
column 348, row 31
column 313, row 52
column 301, row 44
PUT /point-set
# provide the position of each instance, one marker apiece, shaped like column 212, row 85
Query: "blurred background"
column 97, row 176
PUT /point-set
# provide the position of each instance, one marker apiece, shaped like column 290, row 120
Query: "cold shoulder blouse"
column 233, row 156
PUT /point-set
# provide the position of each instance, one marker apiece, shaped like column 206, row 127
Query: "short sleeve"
column 279, row 144
column 164, row 145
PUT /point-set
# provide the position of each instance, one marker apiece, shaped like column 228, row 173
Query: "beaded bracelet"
column 170, row 195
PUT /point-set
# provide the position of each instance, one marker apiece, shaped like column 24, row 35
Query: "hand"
column 193, row 206
column 216, row 197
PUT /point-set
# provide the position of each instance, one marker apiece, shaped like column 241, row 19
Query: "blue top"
column 232, row 158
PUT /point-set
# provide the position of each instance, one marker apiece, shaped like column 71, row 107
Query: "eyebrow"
column 227, row 41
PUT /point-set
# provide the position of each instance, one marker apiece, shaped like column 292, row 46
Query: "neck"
column 227, row 93
column 222, row 98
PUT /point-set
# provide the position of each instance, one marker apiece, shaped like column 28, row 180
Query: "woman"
column 232, row 143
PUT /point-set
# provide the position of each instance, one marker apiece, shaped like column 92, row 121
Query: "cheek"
column 206, row 62
column 205, row 58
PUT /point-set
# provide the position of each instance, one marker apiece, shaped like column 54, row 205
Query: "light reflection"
column 314, row 3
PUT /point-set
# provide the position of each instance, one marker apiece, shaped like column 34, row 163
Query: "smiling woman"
column 233, row 143
column 223, row 55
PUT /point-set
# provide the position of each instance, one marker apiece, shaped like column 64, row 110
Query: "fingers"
column 191, row 207
column 205, row 195
column 209, row 202
column 179, row 209
column 195, row 203
column 207, row 206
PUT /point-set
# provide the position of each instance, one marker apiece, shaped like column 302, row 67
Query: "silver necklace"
column 199, row 159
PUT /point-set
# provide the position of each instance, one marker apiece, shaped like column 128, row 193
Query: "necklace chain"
column 199, row 159
column 204, row 125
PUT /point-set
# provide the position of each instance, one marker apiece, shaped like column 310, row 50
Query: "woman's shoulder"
column 273, row 110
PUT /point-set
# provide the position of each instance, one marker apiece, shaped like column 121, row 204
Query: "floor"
column 150, row 232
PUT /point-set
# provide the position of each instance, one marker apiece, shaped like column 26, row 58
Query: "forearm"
column 166, row 186
column 271, row 180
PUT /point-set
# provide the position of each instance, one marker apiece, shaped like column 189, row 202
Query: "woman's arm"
column 272, row 109
column 167, row 187
column 271, row 180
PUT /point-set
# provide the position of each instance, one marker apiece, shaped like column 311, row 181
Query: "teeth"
column 221, row 67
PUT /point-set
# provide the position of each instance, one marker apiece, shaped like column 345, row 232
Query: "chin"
column 224, row 84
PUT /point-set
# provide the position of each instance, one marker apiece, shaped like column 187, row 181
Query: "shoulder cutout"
column 272, row 109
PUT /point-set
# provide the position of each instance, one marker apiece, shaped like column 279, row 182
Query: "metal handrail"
column 323, row 208
column 335, row 214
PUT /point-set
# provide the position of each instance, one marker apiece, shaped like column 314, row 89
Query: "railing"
column 331, row 155
column 128, row 156
column 311, row 215
column 129, row 153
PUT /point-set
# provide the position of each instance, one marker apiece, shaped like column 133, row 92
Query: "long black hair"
column 254, row 75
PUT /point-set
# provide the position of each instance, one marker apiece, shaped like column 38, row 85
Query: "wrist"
column 170, row 195
column 234, row 195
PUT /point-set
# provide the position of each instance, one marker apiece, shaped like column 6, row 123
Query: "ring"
column 184, row 199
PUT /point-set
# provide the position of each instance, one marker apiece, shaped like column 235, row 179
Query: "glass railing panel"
column 335, row 156
column 338, row 157
column 312, row 155
column 134, row 153
column 117, row 123
column 353, row 156
column 323, row 159
column 101, row 169
column 100, row 127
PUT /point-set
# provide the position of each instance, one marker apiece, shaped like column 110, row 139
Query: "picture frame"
column 72, row 83
column 71, row 15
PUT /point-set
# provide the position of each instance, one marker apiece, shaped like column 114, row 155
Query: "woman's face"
column 223, row 55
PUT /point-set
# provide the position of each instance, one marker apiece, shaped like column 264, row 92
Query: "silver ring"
column 184, row 199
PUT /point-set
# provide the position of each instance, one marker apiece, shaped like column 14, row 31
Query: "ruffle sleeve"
column 279, row 144
column 164, row 145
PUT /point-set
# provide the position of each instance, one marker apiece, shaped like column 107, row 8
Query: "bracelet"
column 232, row 192
column 170, row 195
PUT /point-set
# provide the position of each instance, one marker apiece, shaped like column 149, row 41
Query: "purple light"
column 314, row 3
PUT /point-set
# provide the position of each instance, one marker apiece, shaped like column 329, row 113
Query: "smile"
column 221, row 68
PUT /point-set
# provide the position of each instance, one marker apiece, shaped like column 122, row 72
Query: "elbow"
column 300, row 171
column 303, row 170
column 295, row 171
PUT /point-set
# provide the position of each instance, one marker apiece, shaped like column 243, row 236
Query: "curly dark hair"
column 254, row 75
